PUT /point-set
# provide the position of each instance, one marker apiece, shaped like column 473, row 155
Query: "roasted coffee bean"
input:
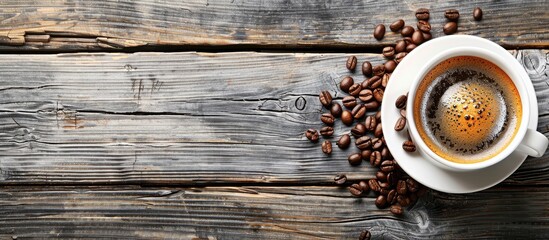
column 403, row 112
column 384, row 192
column 327, row 119
column 378, row 116
column 340, row 179
column 373, row 105
column 423, row 26
column 392, row 178
column 344, row 141
column 378, row 94
column 400, row 124
column 407, row 40
column 377, row 144
column 327, row 147
column 374, row 185
column 367, row 68
column 359, row 111
column 413, row 185
column 355, row 89
column 400, row 56
column 381, row 201
column 417, row 38
column 401, row 101
column 401, row 187
column 358, row 130
column 379, row 70
column 407, row 31
column 391, row 196
column 374, row 82
column 351, row 63
column 327, row 131
column 396, row 210
column 400, row 46
column 370, row 123
column 325, row 98
column 397, row 25
column 312, row 134
column 346, row 83
column 390, row 66
column 389, row 52
column 387, row 165
column 375, row 159
column 379, row 130
column 409, row 146
column 365, row 235
column 403, row 200
column 452, row 15
column 366, row 154
column 450, row 28
column 336, row 110
column 385, row 79
column 386, row 154
column 349, row 102
column 347, row 117
column 364, row 186
column 366, row 95
column 355, row 189
column 422, row 14
column 354, row 159
column 379, row 31
column 381, row 176
column 427, row 36
column 410, row 47
column 384, row 185
column 363, row 143
column 477, row 14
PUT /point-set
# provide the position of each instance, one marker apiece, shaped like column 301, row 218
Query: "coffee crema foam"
column 467, row 109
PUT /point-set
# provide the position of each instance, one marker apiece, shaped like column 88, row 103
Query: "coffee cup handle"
column 534, row 143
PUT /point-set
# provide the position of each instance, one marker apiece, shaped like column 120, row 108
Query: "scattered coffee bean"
column 364, row 186
column 370, row 123
column 374, row 185
column 355, row 189
column 396, row 210
column 450, row 28
column 355, row 89
column 407, row 31
column 374, row 82
column 327, row 131
column 401, row 101
column 388, row 52
column 349, row 102
column 427, row 36
column 347, row 117
column 407, row 40
column 452, row 15
column 373, row 105
column 359, row 130
column 377, row 144
column 379, row 70
column 403, row 112
column 391, row 196
column 383, row 191
column 403, row 200
column 424, row 26
column 381, row 201
column 359, row 111
column 336, row 110
column 379, row 32
column 366, row 154
column 363, row 143
column 367, row 69
column 400, row 124
column 378, row 116
column 325, row 98
column 366, row 95
column 327, row 147
column 409, row 146
column 390, row 66
column 385, row 79
column 413, row 185
column 400, row 46
column 344, row 141
column 340, row 179
column 351, row 63
column 346, row 83
column 365, row 235
column 422, row 14
column 378, row 94
column 327, row 119
column 397, row 25
column 385, row 153
column 355, row 159
column 381, row 176
column 379, row 131
column 384, row 185
column 410, row 47
column 387, row 165
column 375, row 159
column 401, row 187
column 417, row 38
column 400, row 56
column 477, row 14
column 312, row 135
column 392, row 178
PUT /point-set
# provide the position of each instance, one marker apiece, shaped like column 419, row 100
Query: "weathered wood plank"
column 97, row 25
column 265, row 213
column 184, row 118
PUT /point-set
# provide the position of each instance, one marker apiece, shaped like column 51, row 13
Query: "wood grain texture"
column 185, row 118
column 71, row 25
column 265, row 213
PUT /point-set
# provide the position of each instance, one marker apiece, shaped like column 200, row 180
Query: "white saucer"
column 426, row 171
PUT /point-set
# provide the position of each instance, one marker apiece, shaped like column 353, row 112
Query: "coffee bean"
column 390, row 66
column 379, row 31
column 413, row 185
column 327, row 118
column 367, row 68
column 387, row 165
column 340, row 179
column 364, row 186
column 349, row 102
column 392, row 178
column 400, row 124
column 378, row 94
column 401, row 101
column 384, row 185
column 355, row 189
column 379, row 130
column 410, row 47
column 424, row 26
column 336, row 110
column 327, row 147
column 327, row 131
column 422, row 14
column 374, row 185
column 401, row 187
column 379, row 70
column 344, row 141
column 400, row 46
column 407, row 40
column 346, row 83
column 325, row 98
column 366, row 95
column 384, row 191
column 400, row 56
column 347, row 117
column 359, row 111
column 375, row 159
column 378, row 116
column 355, row 159
column 377, row 144
column 381, row 176
column 409, row 146
column 363, row 143
column 403, row 200
column 417, row 38
column 407, row 31
column 373, row 105
column 452, row 15
column 381, row 201
column 477, row 14
column 312, row 135
column 385, row 153
column 450, row 28
column 370, row 123
column 397, row 25
column 391, row 196
column 403, row 112
column 396, row 210
column 388, row 52
column 365, row 235
column 385, row 79
column 374, row 82
column 366, row 154
column 427, row 36
column 355, row 89
column 351, row 63
column 359, row 130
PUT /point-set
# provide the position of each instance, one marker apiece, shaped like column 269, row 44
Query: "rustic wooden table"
column 185, row 120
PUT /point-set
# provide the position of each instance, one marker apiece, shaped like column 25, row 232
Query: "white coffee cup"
column 526, row 140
